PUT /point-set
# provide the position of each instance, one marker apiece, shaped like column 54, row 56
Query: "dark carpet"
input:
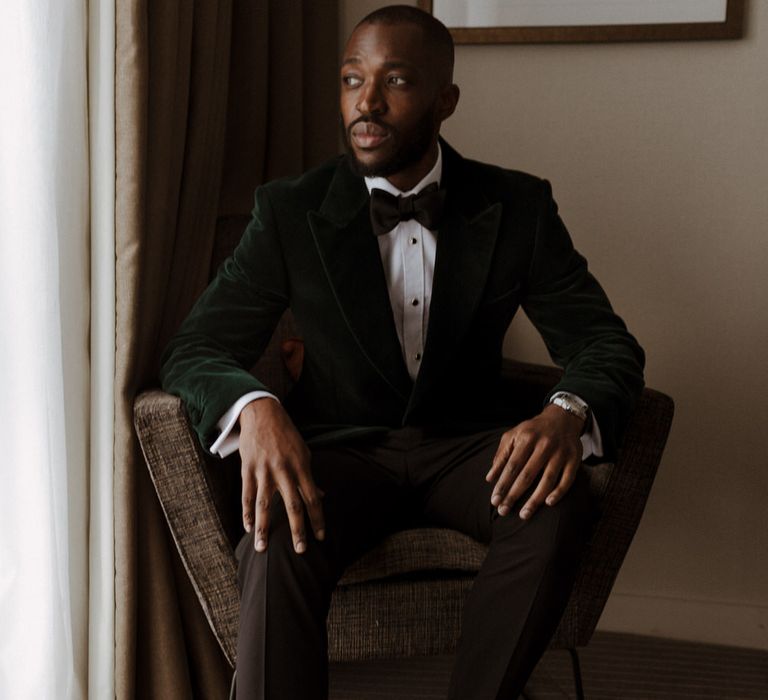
column 614, row 667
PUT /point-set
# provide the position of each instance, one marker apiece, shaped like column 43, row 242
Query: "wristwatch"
column 571, row 403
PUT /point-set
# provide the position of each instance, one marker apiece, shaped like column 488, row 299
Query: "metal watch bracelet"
column 571, row 403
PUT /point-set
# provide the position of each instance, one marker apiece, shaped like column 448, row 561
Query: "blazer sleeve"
column 207, row 362
column 602, row 361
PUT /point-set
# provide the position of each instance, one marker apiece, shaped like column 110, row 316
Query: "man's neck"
column 410, row 177
column 434, row 174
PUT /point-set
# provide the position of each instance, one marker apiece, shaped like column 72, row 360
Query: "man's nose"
column 372, row 99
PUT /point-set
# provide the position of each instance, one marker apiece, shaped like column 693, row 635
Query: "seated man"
column 403, row 264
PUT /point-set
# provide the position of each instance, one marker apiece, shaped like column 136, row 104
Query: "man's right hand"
column 275, row 458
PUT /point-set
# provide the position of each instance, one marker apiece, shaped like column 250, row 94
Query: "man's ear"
column 447, row 101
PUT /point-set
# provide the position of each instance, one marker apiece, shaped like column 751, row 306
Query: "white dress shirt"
column 408, row 255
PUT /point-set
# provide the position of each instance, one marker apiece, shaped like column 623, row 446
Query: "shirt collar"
column 434, row 175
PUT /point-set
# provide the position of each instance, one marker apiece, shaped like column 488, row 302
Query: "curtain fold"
column 210, row 101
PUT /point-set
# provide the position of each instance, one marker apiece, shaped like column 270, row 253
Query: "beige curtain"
column 212, row 98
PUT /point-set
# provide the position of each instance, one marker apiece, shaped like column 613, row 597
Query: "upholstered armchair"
column 405, row 596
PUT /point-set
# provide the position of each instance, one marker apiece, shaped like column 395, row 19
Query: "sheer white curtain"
column 52, row 492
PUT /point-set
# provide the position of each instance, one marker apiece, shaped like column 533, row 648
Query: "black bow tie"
column 388, row 210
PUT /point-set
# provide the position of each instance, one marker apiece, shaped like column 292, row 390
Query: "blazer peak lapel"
column 352, row 263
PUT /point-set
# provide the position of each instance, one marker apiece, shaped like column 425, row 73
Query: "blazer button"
column 415, row 302
column 414, row 241
column 417, row 356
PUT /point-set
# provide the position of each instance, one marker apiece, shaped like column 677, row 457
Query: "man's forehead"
column 396, row 46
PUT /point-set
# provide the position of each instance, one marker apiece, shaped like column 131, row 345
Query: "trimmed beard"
column 405, row 154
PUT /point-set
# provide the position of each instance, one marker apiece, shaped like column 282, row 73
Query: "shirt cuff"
column 229, row 437
column 592, row 441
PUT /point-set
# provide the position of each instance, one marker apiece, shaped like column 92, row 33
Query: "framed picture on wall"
column 542, row 21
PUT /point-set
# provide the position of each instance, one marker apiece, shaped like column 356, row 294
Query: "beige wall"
column 658, row 155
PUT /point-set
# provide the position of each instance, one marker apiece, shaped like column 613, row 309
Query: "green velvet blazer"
column 309, row 246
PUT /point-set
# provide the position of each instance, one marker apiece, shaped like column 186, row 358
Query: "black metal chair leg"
column 232, row 687
column 576, row 673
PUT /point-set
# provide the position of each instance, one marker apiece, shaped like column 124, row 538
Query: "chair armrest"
column 626, row 488
column 621, row 490
column 179, row 473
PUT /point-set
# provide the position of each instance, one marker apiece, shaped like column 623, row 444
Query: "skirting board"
column 710, row 621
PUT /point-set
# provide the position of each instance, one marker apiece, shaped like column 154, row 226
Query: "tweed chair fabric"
column 405, row 596
column 622, row 490
column 180, row 475
column 411, row 551
column 397, row 617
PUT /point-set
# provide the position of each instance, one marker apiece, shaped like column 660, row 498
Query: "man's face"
column 391, row 102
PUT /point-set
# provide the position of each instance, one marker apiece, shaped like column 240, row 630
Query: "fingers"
column 299, row 492
column 554, row 464
column 501, row 456
column 248, row 498
column 553, row 485
column 263, row 504
column 518, row 481
column 312, row 498
column 294, row 508
column 258, row 501
column 513, row 473
column 566, row 481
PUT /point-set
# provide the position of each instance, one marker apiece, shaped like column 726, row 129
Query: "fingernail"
column 550, row 500
column 525, row 513
column 320, row 534
column 300, row 547
column 503, row 510
column 261, row 545
column 247, row 527
column 495, row 499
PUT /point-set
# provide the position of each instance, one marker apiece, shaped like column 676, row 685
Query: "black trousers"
column 411, row 476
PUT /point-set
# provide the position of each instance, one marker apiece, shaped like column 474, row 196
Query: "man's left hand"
column 548, row 445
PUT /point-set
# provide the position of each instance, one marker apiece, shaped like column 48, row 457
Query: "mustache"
column 369, row 120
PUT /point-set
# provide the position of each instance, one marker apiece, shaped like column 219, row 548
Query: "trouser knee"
column 283, row 571
column 551, row 530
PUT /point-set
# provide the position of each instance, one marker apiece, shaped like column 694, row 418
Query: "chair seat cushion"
column 409, row 551
column 399, row 617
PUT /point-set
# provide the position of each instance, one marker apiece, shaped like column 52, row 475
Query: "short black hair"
column 435, row 33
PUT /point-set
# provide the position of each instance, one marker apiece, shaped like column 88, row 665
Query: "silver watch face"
column 570, row 403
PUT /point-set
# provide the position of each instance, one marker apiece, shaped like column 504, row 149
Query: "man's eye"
column 352, row 81
column 398, row 81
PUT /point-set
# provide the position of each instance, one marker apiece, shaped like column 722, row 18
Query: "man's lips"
column 368, row 134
